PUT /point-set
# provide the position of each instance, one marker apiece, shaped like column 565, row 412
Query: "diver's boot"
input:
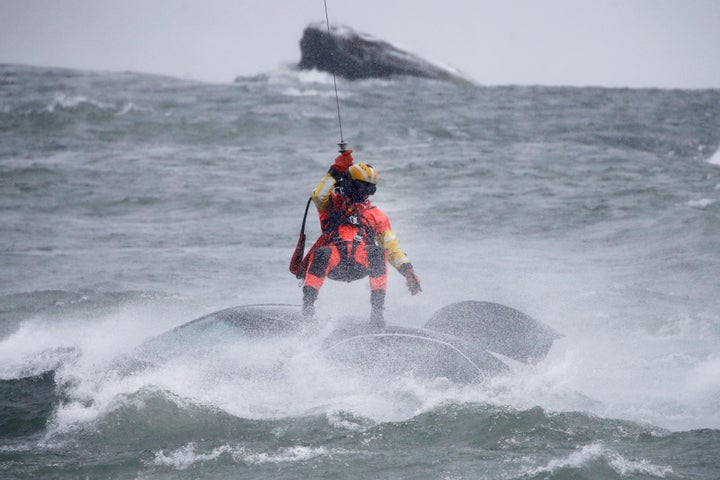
column 309, row 296
column 377, row 301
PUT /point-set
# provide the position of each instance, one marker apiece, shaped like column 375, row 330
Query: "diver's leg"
column 323, row 259
column 309, row 296
column 377, row 266
column 377, row 302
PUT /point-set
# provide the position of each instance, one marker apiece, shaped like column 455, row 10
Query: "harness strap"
column 338, row 218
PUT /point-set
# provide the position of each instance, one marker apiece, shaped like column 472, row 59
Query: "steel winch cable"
column 297, row 265
column 342, row 144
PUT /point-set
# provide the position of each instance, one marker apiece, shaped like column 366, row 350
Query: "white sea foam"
column 337, row 420
column 598, row 452
column 32, row 349
column 131, row 107
column 315, row 76
column 627, row 467
column 84, row 354
column 67, row 101
column 292, row 77
column 715, row 159
column 702, row 202
column 297, row 92
column 190, row 454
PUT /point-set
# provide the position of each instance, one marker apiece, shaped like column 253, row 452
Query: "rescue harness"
column 340, row 214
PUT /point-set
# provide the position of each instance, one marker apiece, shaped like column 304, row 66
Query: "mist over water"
column 131, row 204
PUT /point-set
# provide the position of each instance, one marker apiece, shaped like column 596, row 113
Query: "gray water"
column 130, row 204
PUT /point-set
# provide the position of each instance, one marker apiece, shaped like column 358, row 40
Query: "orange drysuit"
column 356, row 240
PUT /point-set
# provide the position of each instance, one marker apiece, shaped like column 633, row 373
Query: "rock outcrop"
column 354, row 55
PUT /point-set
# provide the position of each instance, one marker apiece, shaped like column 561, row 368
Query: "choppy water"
column 130, row 204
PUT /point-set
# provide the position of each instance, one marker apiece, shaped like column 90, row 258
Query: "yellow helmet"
column 364, row 173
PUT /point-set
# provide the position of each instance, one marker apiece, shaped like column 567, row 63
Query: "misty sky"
column 617, row 43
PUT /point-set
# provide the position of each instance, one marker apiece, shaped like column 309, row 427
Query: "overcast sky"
column 618, row 43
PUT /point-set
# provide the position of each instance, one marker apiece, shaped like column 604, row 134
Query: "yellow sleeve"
column 321, row 194
column 389, row 242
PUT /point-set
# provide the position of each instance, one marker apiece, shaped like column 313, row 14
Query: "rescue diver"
column 356, row 239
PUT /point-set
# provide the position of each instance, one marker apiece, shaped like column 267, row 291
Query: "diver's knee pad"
column 321, row 258
column 376, row 260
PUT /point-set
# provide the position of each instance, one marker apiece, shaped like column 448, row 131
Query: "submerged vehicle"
column 465, row 342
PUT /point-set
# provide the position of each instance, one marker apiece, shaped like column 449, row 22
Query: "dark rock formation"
column 354, row 55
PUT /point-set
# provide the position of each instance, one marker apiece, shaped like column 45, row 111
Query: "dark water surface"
column 130, row 204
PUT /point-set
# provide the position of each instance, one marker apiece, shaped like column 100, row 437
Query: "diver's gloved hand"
column 413, row 282
column 342, row 162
